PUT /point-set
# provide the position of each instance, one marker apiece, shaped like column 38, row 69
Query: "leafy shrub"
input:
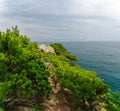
column 60, row 50
column 83, row 85
column 23, row 76
column 113, row 101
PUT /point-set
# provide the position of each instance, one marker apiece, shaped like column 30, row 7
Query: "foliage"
column 60, row 50
column 1, row 109
column 83, row 85
column 23, row 75
column 113, row 101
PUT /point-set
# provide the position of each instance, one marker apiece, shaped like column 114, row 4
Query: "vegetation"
column 24, row 73
column 113, row 101
column 23, row 76
column 83, row 85
column 60, row 50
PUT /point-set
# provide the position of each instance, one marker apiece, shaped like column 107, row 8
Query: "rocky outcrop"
column 46, row 48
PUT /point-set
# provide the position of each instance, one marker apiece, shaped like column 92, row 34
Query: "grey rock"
column 46, row 48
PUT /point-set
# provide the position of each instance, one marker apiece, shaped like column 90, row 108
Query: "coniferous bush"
column 83, row 85
column 61, row 50
column 23, row 76
column 112, row 101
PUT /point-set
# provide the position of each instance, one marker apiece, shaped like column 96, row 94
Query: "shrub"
column 60, row 50
column 112, row 101
column 23, row 76
column 83, row 85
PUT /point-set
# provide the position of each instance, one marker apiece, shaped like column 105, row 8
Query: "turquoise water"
column 102, row 57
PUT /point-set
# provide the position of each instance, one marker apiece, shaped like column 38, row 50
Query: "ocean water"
column 102, row 57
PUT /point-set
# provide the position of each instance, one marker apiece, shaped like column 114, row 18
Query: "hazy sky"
column 63, row 20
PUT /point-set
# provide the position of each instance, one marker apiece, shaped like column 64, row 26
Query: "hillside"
column 45, row 78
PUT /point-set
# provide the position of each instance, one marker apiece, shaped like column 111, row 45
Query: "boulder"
column 46, row 48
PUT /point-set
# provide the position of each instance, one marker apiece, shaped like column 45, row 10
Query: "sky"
column 63, row 20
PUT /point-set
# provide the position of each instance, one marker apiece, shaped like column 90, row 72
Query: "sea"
column 101, row 57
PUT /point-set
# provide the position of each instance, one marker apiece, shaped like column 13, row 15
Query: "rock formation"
column 46, row 48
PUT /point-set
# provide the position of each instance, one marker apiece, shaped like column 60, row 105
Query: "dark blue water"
column 102, row 57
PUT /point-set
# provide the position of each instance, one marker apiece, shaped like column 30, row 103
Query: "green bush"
column 60, row 50
column 112, row 101
column 83, row 85
column 1, row 109
column 23, row 76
